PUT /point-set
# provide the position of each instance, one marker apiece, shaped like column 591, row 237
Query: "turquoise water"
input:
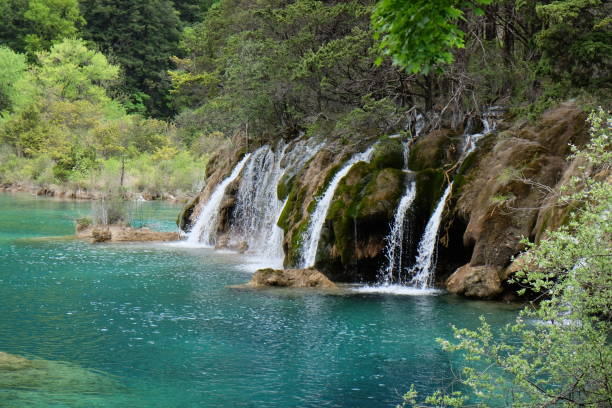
column 158, row 326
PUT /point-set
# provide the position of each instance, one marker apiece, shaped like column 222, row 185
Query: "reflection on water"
column 164, row 328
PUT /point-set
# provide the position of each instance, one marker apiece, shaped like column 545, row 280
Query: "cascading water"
column 425, row 264
column 258, row 208
column 395, row 239
column 422, row 271
column 256, row 202
column 310, row 240
column 394, row 247
column 206, row 223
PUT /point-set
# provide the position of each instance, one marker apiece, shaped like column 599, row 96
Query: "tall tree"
column 142, row 36
column 35, row 25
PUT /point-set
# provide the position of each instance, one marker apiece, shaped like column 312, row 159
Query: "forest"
column 93, row 92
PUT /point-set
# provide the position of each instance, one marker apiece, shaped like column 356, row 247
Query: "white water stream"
column 203, row 231
column 425, row 264
column 258, row 208
column 422, row 272
column 310, row 240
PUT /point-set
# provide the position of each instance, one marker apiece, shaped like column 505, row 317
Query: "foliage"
column 421, row 34
column 274, row 68
column 557, row 353
column 141, row 36
column 12, row 70
column 61, row 126
column 576, row 41
column 35, row 25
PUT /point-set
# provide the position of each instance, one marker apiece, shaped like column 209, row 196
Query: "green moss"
column 429, row 186
column 388, row 153
column 293, row 253
column 284, row 186
column 433, row 151
column 283, row 220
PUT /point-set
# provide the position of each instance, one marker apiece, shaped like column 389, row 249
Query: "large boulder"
column 476, row 281
column 291, row 278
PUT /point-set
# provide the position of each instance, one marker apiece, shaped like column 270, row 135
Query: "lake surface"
column 157, row 325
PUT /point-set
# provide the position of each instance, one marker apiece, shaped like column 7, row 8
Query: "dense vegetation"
column 209, row 72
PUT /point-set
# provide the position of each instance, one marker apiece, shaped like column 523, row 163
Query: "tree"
column 35, row 25
column 576, row 41
column 557, row 353
column 12, row 70
column 421, row 34
column 142, row 36
column 74, row 72
column 278, row 67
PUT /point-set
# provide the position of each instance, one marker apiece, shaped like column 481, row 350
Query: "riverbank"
column 59, row 191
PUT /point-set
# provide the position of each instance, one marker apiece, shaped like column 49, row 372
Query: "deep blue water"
column 162, row 326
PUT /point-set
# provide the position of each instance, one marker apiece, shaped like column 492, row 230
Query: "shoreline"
column 58, row 191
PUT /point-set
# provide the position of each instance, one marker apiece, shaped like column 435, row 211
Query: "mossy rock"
column 360, row 214
column 184, row 220
column 388, row 153
column 434, row 150
column 284, row 186
column 293, row 250
column 430, row 184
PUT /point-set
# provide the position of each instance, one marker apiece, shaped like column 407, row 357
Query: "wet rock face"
column 504, row 197
column 291, row 278
column 352, row 240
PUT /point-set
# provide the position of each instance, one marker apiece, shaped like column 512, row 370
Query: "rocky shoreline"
column 57, row 191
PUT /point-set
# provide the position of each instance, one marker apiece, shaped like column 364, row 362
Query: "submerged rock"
column 23, row 379
column 291, row 278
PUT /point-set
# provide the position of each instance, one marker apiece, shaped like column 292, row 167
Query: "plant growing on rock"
column 557, row 352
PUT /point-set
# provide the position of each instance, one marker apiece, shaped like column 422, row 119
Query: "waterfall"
column 206, row 224
column 258, row 209
column 425, row 264
column 395, row 240
column 257, row 206
column 310, row 240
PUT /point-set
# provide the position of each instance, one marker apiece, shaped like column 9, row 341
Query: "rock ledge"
column 291, row 278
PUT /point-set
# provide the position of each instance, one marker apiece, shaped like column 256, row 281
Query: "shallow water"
column 161, row 324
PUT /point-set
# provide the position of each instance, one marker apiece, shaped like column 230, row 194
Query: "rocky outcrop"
column 291, row 278
column 501, row 194
column 504, row 196
column 117, row 233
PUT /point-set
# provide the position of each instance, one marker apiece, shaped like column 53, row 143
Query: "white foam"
column 398, row 290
